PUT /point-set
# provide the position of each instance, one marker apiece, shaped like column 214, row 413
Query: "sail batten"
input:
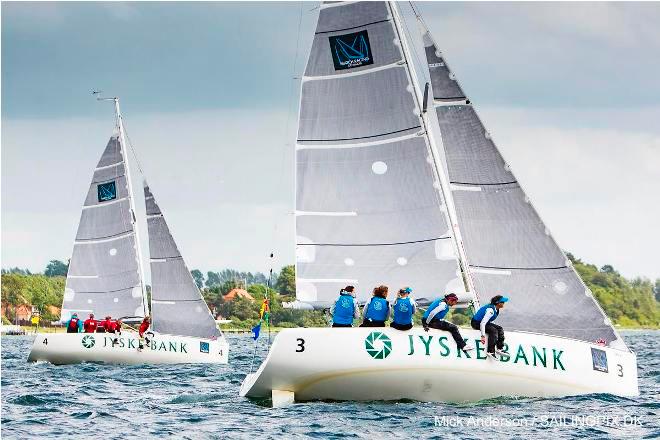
column 508, row 248
column 369, row 210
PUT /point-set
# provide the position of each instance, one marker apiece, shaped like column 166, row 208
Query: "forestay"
column 369, row 209
column 103, row 275
column 177, row 306
column 509, row 249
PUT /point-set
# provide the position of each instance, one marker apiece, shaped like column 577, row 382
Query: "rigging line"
column 130, row 144
column 414, row 50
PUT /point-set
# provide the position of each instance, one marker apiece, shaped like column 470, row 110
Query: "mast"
column 444, row 181
column 122, row 141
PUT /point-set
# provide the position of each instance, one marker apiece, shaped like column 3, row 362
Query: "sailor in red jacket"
column 90, row 324
column 144, row 326
column 108, row 325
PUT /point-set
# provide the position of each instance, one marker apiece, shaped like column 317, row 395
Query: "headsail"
column 104, row 276
column 369, row 209
column 509, row 249
column 177, row 306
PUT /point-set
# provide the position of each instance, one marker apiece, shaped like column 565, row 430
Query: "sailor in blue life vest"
column 403, row 309
column 345, row 309
column 74, row 324
column 377, row 309
column 433, row 318
column 483, row 321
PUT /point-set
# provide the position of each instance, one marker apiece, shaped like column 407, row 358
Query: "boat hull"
column 72, row 348
column 356, row 364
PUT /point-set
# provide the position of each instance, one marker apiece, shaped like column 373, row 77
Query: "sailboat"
column 106, row 277
column 400, row 184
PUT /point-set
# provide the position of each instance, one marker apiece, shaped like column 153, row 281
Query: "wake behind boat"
column 402, row 185
column 106, row 277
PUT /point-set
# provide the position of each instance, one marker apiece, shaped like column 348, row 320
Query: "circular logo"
column 345, row 302
column 378, row 345
column 88, row 341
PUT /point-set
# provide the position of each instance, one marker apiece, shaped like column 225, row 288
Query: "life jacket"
column 73, row 324
column 344, row 310
column 403, row 311
column 143, row 327
column 377, row 310
column 482, row 312
column 90, row 325
column 441, row 314
column 109, row 326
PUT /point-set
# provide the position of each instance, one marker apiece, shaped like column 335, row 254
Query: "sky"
column 209, row 93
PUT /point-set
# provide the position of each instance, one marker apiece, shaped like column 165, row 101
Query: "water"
column 202, row 402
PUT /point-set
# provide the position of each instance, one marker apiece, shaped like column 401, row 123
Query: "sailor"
column 403, row 309
column 377, row 309
column 144, row 326
column 345, row 309
column 90, row 324
column 433, row 318
column 108, row 325
column 74, row 325
column 116, row 328
column 483, row 321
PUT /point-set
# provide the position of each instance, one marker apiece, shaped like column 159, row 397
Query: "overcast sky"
column 569, row 91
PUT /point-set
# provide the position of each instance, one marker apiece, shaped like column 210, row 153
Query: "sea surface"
column 188, row 401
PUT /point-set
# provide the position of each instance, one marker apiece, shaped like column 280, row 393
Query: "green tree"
column 286, row 281
column 198, row 277
column 56, row 268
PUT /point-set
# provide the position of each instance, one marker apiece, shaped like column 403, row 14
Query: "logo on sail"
column 88, row 341
column 378, row 345
column 351, row 50
column 107, row 191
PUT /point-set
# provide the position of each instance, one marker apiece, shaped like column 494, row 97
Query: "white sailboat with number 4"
column 401, row 185
column 106, row 277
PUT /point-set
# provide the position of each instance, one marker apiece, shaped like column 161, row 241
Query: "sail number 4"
column 301, row 345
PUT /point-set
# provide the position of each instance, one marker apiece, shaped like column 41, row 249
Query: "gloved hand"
column 426, row 328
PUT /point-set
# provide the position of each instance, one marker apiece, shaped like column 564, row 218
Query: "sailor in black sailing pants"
column 433, row 318
column 483, row 321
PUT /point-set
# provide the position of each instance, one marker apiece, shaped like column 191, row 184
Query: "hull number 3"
column 301, row 345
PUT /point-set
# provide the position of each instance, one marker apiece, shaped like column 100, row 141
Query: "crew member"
column 144, row 326
column 108, row 324
column 74, row 325
column 377, row 309
column 90, row 324
column 345, row 310
column 483, row 321
column 403, row 309
column 433, row 318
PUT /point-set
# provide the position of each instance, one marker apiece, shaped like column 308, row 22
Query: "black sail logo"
column 351, row 50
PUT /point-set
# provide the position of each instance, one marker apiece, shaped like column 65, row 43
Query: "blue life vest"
column 344, row 310
column 433, row 305
column 377, row 310
column 403, row 311
column 482, row 311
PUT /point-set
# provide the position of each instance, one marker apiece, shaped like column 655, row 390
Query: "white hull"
column 72, row 348
column 338, row 364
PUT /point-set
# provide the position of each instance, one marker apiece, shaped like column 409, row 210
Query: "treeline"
column 629, row 303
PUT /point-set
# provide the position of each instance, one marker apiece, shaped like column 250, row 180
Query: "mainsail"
column 369, row 206
column 508, row 248
column 177, row 306
column 104, row 275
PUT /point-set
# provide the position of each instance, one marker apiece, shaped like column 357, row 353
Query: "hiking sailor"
column 144, row 326
column 74, row 325
column 377, row 309
column 345, row 309
column 483, row 321
column 433, row 318
column 403, row 309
